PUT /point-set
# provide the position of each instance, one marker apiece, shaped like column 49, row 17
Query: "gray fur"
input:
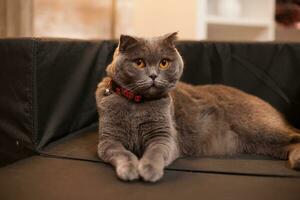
column 177, row 119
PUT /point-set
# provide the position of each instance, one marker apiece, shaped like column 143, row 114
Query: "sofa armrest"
column 47, row 91
column 16, row 105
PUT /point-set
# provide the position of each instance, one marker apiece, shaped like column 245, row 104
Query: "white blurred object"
column 229, row 8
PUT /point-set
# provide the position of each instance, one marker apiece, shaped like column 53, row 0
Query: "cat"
column 147, row 118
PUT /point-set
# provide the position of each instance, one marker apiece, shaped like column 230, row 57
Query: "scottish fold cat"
column 147, row 118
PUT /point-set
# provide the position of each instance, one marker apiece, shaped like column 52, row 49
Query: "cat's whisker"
column 163, row 83
column 133, row 85
column 130, row 85
column 139, row 86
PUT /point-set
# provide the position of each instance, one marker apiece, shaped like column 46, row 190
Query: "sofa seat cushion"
column 82, row 145
column 46, row 178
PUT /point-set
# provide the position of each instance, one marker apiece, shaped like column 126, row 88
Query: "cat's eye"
column 164, row 63
column 139, row 63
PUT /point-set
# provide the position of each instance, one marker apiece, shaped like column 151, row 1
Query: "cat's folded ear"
column 127, row 42
column 170, row 38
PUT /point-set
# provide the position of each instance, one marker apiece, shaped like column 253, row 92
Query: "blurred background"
column 225, row 20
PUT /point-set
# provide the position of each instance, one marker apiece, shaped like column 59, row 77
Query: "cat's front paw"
column 127, row 172
column 149, row 172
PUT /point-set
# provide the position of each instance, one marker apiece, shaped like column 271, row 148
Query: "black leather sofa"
column 48, row 122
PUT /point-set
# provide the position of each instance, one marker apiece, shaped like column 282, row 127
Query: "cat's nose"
column 153, row 76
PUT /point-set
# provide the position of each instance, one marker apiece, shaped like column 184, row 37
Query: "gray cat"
column 148, row 119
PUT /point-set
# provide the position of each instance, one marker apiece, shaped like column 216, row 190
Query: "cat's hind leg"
column 278, row 142
column 261, row 129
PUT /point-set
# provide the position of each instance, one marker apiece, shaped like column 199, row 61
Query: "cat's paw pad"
column 150, row 172
column 127, row 172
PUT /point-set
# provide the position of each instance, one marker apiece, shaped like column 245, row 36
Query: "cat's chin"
column 152, row 90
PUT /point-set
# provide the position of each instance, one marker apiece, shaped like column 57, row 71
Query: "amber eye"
column 164, row 64
column 139, row 63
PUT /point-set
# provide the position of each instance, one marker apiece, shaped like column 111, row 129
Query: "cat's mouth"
column 153, row 88
column 155, row 84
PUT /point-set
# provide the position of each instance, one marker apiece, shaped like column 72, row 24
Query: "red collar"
column 124, row 92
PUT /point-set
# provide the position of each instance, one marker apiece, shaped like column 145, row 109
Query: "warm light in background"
column 107, row 19
column 72, row 18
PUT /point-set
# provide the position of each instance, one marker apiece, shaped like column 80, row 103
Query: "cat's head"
column 149, row 67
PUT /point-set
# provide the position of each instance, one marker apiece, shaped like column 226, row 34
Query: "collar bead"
column 124, row 92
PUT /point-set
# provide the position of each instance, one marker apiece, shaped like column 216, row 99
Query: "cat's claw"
column 295, row 164
column 127, row 172
column 294, row 158
column 150, row 172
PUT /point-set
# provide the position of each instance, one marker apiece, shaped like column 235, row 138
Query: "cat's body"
column 140, row 139
column 134, row 122
column 221, row 120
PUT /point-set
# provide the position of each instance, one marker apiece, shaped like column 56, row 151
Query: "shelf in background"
column 284, row 34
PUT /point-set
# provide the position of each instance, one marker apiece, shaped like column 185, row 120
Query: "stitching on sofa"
column 264, row 78
column 34, row 94
column 28, row 107
column 43, row 154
